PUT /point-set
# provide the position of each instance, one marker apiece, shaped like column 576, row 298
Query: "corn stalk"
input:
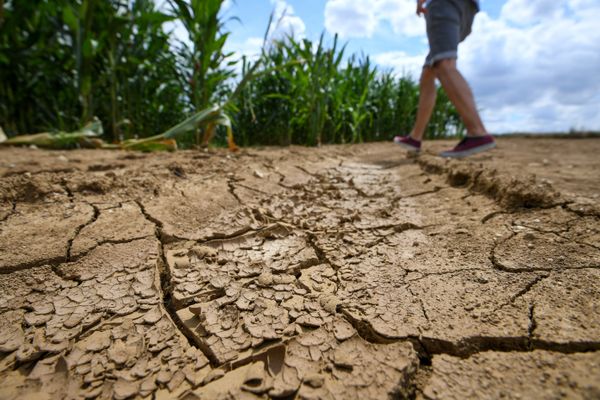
column 207, row 65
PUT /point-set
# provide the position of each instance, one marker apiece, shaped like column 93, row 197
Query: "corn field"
column 64, row 62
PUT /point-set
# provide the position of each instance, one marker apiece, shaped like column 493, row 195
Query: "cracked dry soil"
column 343, row 272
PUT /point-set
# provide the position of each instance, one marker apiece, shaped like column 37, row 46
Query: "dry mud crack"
column 334, row 273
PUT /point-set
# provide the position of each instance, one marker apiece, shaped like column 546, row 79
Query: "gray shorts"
column 449, row 22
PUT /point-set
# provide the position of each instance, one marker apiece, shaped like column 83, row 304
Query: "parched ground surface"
column 345, row 272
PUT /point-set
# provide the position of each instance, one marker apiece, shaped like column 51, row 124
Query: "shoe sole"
column 466, row 153
column 408, row 147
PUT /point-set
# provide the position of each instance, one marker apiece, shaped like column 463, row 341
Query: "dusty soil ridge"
column 509, row 191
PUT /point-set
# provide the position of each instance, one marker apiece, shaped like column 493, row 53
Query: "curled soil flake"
column 97, row 341
column 124, row 389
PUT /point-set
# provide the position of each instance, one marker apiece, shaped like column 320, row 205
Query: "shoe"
column 408, row 143
column 470, row 145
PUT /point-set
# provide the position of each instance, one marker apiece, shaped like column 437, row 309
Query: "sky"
column 533, row 65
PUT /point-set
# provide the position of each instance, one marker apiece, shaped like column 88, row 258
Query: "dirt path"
column 342, row 272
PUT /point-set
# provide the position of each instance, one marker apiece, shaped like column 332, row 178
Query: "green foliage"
column 63, row 62
column 320, row 100
column 206, row 67
column 206, row 57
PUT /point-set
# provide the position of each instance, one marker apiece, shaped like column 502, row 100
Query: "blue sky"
column 254, row 16
column 534, row 65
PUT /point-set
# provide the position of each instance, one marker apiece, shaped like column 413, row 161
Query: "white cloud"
column 285, row 22
column 528, row 11
column 361, row 19
column 536, row 74
column 251, row 48
column 349, row 19
column 226, row 5
column 401, row 63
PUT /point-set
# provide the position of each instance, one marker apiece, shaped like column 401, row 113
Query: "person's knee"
column 444, row 66
column 427, row 75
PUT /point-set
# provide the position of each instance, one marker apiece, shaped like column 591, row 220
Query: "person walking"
column 448, row 23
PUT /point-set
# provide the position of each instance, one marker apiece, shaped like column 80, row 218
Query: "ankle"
column 477, row 134
column 415, row 137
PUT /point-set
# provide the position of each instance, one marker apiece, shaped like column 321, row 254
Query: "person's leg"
column 443, row 34
column 427, row 96
column 460, row 95
column 449, row 22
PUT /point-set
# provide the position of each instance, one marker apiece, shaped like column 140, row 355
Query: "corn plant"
column 263, row 112
column 312, row 87
column 62, row 61
column 208, row 67
column 79, row 18
column 383, row 105
column 350, row 110
column 36, row 90
column 143, row 82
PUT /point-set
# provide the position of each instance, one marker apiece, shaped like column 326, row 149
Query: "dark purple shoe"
column 470, row 145
column 408, row 143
